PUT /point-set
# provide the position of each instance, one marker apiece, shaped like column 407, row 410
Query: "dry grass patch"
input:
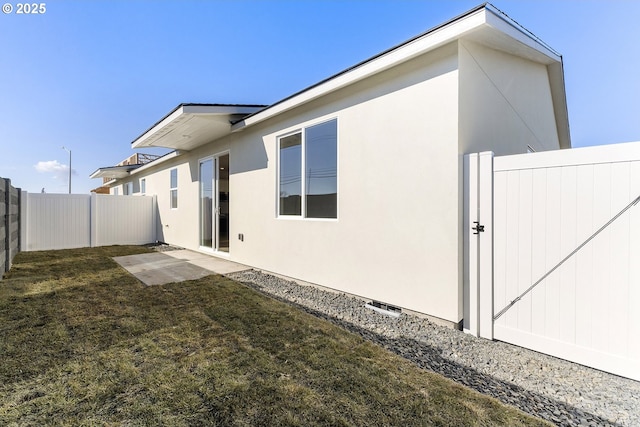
column 85, row 343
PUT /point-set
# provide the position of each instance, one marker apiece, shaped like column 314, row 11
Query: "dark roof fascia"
column 195, row 104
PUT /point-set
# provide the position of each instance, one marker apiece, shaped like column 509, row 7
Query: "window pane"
column 174, row 188
column 143, row 185
column 174, row 199
column 174, row 178
column 291, row 175
column 321, row 170
column 223, row 203
column 206, row 203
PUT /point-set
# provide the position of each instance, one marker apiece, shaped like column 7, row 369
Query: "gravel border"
column 564, row 393
column 162, row 247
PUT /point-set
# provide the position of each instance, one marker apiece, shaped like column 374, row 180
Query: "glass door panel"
column 222, row 164
column 206, row 203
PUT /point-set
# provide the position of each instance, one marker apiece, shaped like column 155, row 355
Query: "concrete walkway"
column 158, row 268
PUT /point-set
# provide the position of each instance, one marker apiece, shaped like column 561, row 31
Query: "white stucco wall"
column 505, row 103
column 395, row 239
column 401, row 136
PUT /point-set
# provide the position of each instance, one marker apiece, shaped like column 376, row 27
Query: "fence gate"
column 565, row 243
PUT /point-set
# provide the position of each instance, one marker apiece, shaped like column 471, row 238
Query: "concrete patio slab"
column 159, row 268
column 215, row 264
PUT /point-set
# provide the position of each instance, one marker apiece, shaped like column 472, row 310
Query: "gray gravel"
column 564, row 393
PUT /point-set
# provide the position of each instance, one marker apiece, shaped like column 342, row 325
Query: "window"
column 127, row 189
column 308, row 166
column 115, row 191
column 174, row 189
column 143, row 186
column 291, row 175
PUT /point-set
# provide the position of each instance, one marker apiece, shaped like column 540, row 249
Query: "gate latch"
column 478, row 228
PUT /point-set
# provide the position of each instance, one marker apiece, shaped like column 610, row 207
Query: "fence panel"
column 57, row 221
column 124, row 220
column 67, row 221
column 546, row 206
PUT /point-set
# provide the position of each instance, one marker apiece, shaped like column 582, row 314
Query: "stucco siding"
column 395, row 239
column 505, row 103
column 401, row 133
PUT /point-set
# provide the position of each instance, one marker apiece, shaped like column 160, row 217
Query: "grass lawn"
column 82, row 342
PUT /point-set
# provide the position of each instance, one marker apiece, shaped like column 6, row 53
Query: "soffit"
column 192, row 125
column 114, row 172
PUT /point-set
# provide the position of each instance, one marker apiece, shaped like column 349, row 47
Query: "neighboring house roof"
column 114, row 172
column 125, row 167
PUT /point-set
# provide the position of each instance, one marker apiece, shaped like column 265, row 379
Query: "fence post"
column 19, row 213
column 485, row 259
column 7, row 224
column 471, row 247
column 93, row 220
column 24, row 219
column 154, row 217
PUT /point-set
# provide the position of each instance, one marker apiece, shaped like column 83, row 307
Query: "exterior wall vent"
column 384, row 308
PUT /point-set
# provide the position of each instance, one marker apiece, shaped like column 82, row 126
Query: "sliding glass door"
column 214, row 203
column 222, row 200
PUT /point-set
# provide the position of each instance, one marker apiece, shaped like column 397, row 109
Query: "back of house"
column 356, row 183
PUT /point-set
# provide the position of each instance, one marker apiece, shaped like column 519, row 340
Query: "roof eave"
column 559, row 100
column 205, row 122
column 484, row 16
column 115, row 172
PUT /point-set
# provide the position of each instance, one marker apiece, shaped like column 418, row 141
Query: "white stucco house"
column 356, row 183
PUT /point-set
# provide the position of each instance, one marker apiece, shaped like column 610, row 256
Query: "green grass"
column 84, row 343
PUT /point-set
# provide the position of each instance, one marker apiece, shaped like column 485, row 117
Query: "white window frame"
column 116, row 191
column 173, row 189
column 127, row 188
column 303, row 154
column 143, row 186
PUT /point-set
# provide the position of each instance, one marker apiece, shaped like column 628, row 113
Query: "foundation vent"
column 384, row 308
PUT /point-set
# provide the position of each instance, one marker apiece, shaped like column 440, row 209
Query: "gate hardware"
column 479, row 228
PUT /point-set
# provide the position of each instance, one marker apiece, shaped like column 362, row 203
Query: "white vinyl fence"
column 558, row 264
column 66, row 221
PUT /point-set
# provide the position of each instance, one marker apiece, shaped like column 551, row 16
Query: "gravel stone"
column 162, row 247
column 564, row 393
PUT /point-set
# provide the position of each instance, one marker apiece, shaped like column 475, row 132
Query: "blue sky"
column 93, row 75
